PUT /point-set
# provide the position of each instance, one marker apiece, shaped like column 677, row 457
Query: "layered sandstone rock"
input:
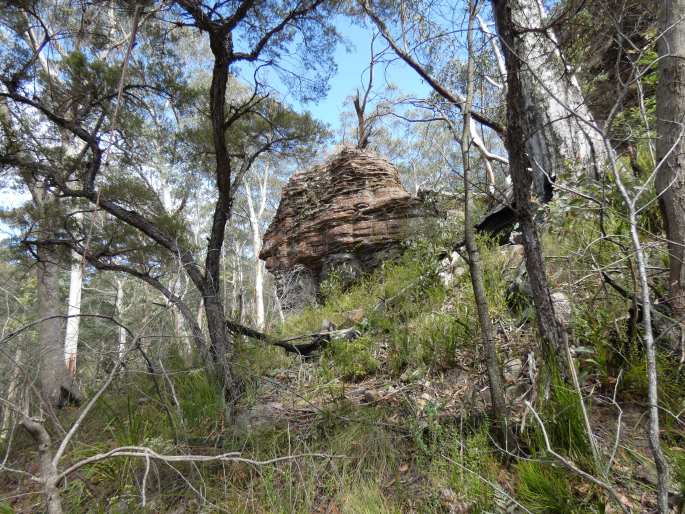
column 344, row 216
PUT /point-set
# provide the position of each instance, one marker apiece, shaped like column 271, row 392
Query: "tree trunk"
column 522, row 180
column 670, row 143
column 221, row 349
column 560, row 132
column 56, row 385
column 12, row 394
column 119, row 306
column 48, row 469
column 73, row 313
column 499, row 406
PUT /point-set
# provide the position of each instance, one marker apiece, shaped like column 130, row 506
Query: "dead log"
column 316, row 339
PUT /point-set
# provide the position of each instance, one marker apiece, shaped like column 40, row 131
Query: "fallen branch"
column 318, row 339
column 571, row 466
column 148, row 453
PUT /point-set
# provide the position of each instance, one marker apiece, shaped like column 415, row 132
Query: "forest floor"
column 394, row 421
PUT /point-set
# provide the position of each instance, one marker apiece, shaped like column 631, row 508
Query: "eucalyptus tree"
column 210, row 136
column 670, row 186
column 670, row 144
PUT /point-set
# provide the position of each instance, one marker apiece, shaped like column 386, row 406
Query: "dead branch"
column 318, row 339
column 571, row 466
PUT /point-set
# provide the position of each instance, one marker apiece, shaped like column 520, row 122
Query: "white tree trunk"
column 255, row 219
column 119, row 306
column 563, row 136
column 73, row 313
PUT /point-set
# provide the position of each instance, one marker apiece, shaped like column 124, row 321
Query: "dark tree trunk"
column 670, row 144
column 499, row 406
column 221, row 350
column 522, row 180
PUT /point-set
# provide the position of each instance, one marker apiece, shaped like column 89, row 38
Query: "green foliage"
column 678, row 459
column 563, row 418
column 670, row 390
column 464, row 461
column 365, row 498
column 545, row 489
column 200, row 399
column 350, row 360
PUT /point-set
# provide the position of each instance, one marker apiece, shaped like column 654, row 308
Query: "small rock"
column 453, row 503
column 354, row 316
column 514, row 255
column 562, row 308
column 370, row 396
column 451, row 269
column 512, row 370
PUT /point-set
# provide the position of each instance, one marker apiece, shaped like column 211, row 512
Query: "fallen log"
column 317, row 339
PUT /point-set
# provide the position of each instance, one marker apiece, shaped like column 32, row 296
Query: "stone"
column 512, row 370
column 514, row 256
column 354, row 316
column 562, row 308
column 297, row 288
column 343, row 217
column 343, row 267
column 451, row 269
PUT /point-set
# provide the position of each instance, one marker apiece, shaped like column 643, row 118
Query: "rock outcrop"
column 345, row 216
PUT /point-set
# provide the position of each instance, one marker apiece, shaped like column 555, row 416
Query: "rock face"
column 344, row 217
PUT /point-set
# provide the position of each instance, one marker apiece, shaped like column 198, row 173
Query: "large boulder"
column 343, row 217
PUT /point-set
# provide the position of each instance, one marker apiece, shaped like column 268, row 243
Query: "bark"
column 522, row 180
column 180, row 325
column 56, row 385
column 11, row 395
column 256, row 212
column 499, row 406
column 670, row 144
column 48, row 469
column 118, row 306
column 73, row 313
column 561, row 134
column 221, row 345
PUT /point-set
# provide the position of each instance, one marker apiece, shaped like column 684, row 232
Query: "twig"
column 148, row 453
column 571, row 466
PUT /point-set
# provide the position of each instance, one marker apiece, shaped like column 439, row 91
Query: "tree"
column 256, row 210
column 562, row 138
column 670, row 187
column 497, row 397
column 110, row 111
column 670, row 144
column 522, row 177
column 57, row 386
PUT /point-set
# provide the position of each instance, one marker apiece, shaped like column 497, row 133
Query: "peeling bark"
column 73, row 313
column 561, row 134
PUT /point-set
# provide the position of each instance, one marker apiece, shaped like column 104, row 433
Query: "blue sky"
column 352, row 65
column 352, row 61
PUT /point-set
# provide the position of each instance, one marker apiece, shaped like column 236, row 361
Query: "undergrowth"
column 412, row 454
